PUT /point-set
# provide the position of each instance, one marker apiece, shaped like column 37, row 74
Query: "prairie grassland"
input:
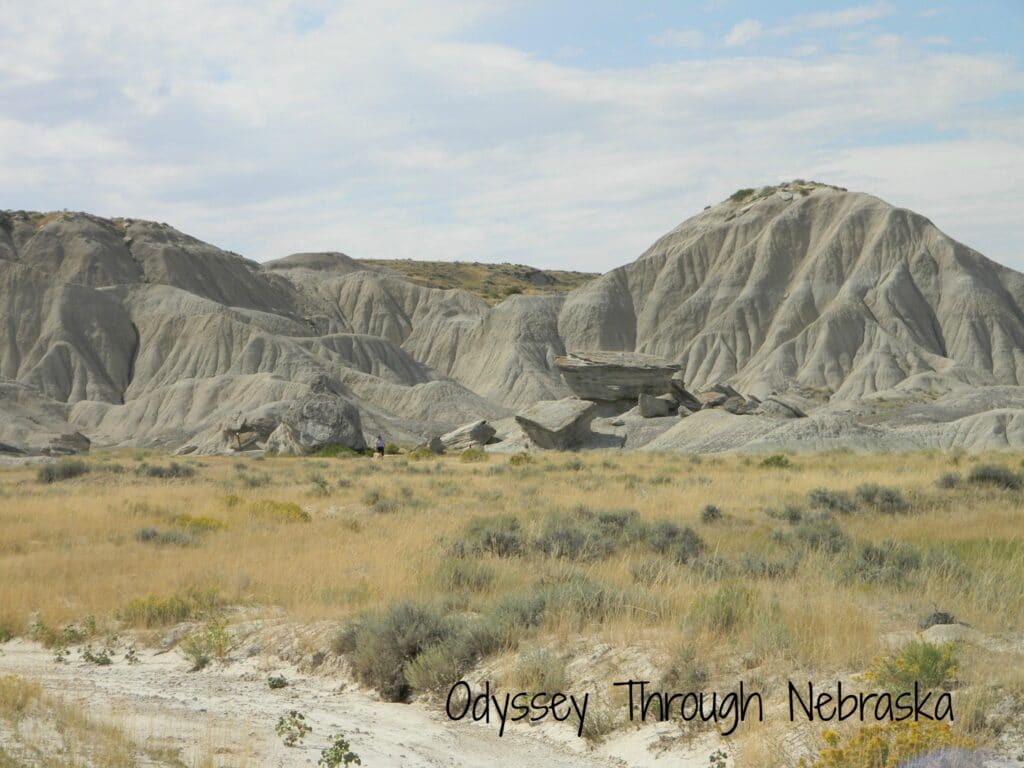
column 800, row 567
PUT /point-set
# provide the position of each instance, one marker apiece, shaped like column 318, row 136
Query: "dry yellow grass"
column 378, row 533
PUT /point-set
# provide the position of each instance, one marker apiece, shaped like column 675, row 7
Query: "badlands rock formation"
column 805, row 299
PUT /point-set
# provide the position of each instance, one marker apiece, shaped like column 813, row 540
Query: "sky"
column 565, row 134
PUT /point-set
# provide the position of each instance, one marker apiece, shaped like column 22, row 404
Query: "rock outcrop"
column 558, row 424
column 476, row 434
column 614, row 376
column 809, row 300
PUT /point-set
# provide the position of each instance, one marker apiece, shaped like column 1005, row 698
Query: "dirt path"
column 228, row 711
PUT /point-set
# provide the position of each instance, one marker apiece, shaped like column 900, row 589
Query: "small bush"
column 164, row 538
column 928, row 664
column 338, row 753
column 520, row 459
column 171, row 472
column 567, row 538
column 499, row 535
column 278, row 511
column 887, row 563
column 473, row 455
column 740, row 195
column 65, row 469
column 887, row 500
column 387, row 642
column 681, row 543
column 292, row 728
column 710, row 514
column 275, row 682
column 757, row 567
column 831, row 501
column 776, row 461
column 948, row 480
column 203, row 645
column 822, row 534
column 391, row 449
column 996, row 475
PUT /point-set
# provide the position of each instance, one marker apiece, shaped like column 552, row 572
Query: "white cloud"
column 385, row 131
column 679, row 38
column 744, row 32
column 846, row 17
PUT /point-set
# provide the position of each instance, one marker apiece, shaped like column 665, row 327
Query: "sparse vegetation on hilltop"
column 492, row 282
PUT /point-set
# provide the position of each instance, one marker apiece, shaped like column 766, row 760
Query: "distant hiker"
column 378, row 448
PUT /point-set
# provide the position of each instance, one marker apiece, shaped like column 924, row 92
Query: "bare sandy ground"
column 229, row 711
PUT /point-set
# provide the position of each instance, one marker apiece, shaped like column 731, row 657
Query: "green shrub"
column 499, row 535
column 171, row 472
column 757, row 567
column 473, row 455
column 164, row 538
column 740, row 195
column 520, row 459
column 203, row 645
column 276, row 682
column 385, row 643
column 292, row 728
column 888, row 563
column 681, row 543
column 887, row 500
column 831, row 501
column 927, row 664
column 338, row 753
column 710, row 514
column 997, row 475
column 823, row 534
column 776, row 461
column 566, row 537
column 65, row 469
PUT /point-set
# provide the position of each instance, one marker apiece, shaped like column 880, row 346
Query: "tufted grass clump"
column 889, row 501
column 776, row 461
column 150, row 535
column 948, row 480
column 997, row 476
column 725, row 609
column 457, row 574
column 65, row 469
column 822, row 534
column 278, row 511
column 172, row 471
column 473, row 456
column 826, row 500
column 162, row 611
column 499, row 535
column 198, row 524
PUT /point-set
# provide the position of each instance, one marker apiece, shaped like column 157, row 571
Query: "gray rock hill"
column 866, row 317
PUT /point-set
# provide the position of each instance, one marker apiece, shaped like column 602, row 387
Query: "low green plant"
column 927, row 664
column 339, row 753
column 996, row 475
column 292, row 728
column 520, row 459
column 65, row 469
column 275, row 682
column 473, row 455
column 162, row 611
column 725, row 609
column 776, row 461
column 278, row 511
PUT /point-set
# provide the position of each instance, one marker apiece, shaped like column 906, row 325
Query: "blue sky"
column 561, row 134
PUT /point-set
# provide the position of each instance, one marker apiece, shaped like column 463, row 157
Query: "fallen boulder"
column 778, row 407
column 614, row 376
column 324, row 419
column 558, row 424
column 67, row 444
column 476, row 434
column 717, row 395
